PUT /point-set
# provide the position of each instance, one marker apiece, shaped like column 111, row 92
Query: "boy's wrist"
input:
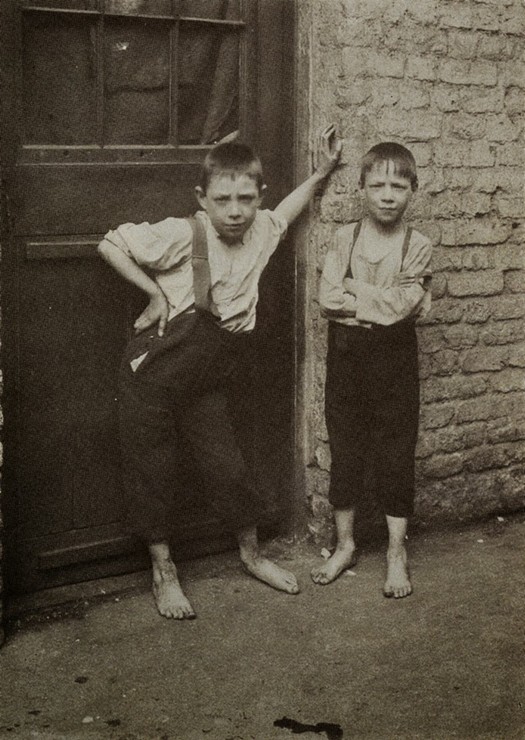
column 319, row 175
column 154, row 291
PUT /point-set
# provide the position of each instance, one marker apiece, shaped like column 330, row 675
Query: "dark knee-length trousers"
column 167, row 414
column 372, row 413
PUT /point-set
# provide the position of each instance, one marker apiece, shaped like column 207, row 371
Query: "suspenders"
column 357, row 230
column 201, row 267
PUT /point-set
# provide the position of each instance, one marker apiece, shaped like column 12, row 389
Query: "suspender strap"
column 201, row 267
column 406, row 244
column 357, row 229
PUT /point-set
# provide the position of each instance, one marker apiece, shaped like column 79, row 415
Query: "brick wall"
column 447, row 79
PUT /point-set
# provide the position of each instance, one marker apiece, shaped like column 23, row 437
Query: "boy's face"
column 386, row 195
column 231, row 202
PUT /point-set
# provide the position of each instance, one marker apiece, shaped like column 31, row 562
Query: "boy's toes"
column 319, row 577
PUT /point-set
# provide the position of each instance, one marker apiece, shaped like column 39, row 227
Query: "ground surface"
column 339, row 661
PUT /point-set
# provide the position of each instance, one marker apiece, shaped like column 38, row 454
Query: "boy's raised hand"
column 328, row 152
column 157, row 310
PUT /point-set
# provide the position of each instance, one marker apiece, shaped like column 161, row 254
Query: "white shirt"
column 374, row 296
column 164, row 248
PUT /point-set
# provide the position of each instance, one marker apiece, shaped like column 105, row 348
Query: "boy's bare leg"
column 167, row 591
column 397, row 582
column 262, row 568
column 344, row 554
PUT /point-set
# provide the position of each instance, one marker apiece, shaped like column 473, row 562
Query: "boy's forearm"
column 291, row 206
column 127, row 268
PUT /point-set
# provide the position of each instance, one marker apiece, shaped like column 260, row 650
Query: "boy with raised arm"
column 374, row 284
column 175, row 379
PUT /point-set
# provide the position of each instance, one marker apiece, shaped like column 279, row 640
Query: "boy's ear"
column 201, row 196
column 263, row 190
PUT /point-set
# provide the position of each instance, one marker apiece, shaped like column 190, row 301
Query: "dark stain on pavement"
column 333, row 732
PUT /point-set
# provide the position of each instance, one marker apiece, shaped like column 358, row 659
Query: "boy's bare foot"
column 271, row 573
column 397, row 584
column 168, row 594
column 342, row 559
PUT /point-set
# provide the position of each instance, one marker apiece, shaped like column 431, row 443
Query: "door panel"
column 119, row 102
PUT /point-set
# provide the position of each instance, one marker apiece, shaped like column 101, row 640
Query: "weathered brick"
column 476, row 409
column 426, row 125
column 490, row 179
column 508, row 430
column 501, row 129
column 503, row 333
column 413, row 96
column 439, row 363
column 510, row 257
column 425, row 11
column 467, row 73
column 507, row 307
column 478, row 231
column 486, row 18
column 510, row 379
column 480, row 154
column 422, row 153
column 455, row 386
column 486, row 359
column 463, row 44
column 487, row 458
column 421, row 68
column 517, row 356
column 463, row 126
column 443, row 466
column 447, row 260
column 515, row 281
column 456, row 15
column 458, row 178
column 446, row 97
column 444, row 312
column 460, row 335
column 510, row 154
column 508, row 207
column 512, row 20
column 482, row 100
column 474, row 204
column 497, row 47
column 371, row 64
column 483, row 282
column 477, row 312
column 437, row 415
column 430, row 339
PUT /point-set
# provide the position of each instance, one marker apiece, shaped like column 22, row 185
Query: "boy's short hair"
column 234, row 158
column 390, row 151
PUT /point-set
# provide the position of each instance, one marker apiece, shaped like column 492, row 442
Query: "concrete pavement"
column 333, row 662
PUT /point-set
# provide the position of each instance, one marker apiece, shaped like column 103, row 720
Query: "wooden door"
column 113, row 106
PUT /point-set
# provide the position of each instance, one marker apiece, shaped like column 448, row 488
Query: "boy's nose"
column 234, row 209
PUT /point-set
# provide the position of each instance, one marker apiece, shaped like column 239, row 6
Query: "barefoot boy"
column 374, row 284
column 175, row 379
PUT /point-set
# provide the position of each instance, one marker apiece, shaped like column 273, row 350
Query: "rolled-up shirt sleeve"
column 386, row 305
column 161, row 246
column 334, row 300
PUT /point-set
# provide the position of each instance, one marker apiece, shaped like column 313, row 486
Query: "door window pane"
column 59, row 79
column 140, row 7
column 137, row 76
column 213, row 9
column 208, row 83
